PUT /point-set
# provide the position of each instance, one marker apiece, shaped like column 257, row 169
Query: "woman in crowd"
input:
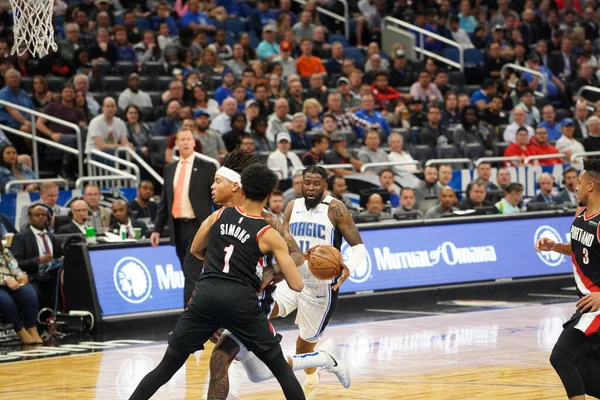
column 471, row 131
column 41, row 95
column 209, row 65
column 312, row 109
column 148, row 49
column 258, row 130
column 284, row 22
column 249, row 52
column 138, row 132
column 184, row 56
column 81, row 102
column 201, row 101
column 12, row 168
column 81, row 62
column 259, row 72
column 275, row 88
column 17, row 296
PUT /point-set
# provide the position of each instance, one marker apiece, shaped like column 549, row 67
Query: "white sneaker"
column 310, row 389
column 337, row 365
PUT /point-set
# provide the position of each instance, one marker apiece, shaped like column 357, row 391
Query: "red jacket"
column 384, row 97
column 536, row 149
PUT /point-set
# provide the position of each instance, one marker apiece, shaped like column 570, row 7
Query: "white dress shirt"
column 404, row 156
column 40, row 241
column 186, row 206
column 564, row 144
column 81, row 227
column 221, row 123
column 278, row 162
column 510, row 133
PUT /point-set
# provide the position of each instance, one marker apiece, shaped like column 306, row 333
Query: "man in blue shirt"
column 481, row 98
column 224, row 91
column 267, row 49
column 261, row 16
column 548, row 116
column 375, row 118
column 197, row 19
column 14, row 94
column 553, row 84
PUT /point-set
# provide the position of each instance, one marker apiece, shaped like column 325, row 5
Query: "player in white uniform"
column 313, row 220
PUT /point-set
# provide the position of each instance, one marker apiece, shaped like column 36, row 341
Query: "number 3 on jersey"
column 228, row 253
column 304, row 245
column 586, row 258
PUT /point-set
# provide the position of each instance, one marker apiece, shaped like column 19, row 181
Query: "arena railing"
column 345, row 19
column 80, row 183
column 325, row 166
column 199, row 155
column 132, row 156
column 575, row 156
column 438, row 161
column 96, row 168
column 529, row 159
column 496, row 159
column 387, row 21
column 35, row 138
column 10, row 184
column 531, row 71
column 586, row 88
column 368, row 166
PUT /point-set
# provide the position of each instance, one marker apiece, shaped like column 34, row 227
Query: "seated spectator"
column 375, row 206
column 441, row 81
column 142, row 207
column 334, row 64
column 450, row 114
column 407, row 202
column 512, row 197
column 482, row 98
column 350, row 100
column 374, row 66
column 99, row 217
column 519, row 148
column 275, row 204
column 283, row 160
column 476, row 197
column 554, row 85
column 317, row 89
column 233, row 138
column 548, row 116
column 196, row 19
column 225, row 90
column 370, row 152
column 447, row 204
column 285, row 58
column 138, row 133
column 567, row 145
column 258, row 132
column 484, row 173
column 294, row 192
column 546, row 184
column 304, row 28
column 401, row 72
column 122, row 221
column 300, row 140
column 337, row 189
column 395, row 141
column 124, row 48
column 170, row 123
column 386, row 182
column 417, row 117
column 280, row 120
column 209, row 65
column 307, row 64
column 72, row 42
column 471, row 130
column 239, row 94
column 267, row 49
column 104, row 50
column 320, row 144
column 466, row 19
column 568, row 194
column 37, row 252
column 82, row 83
column 295, row 97
column 592, row 141
column 374, row 118
column 79, row 217
column 329, row 125
column 532, row 114
column 18, row 297
column 494, row 116
column 81, row 103
column 502, row 178
column 433, row 134
column 444, row 175
column 222, row 49
column 430, row 186
column 539, row 145
column 11, row 169
column 494, row 61
column 10, row 116
column 222, row 123
column 133, row 94
column 312, row 109
column 238, row 63
column 519, row 116
column 425, row 89
column 458, row 34
column 48, row 198
column 41, row 95
column 106, row 131
column 339, row 154
column 149, row 48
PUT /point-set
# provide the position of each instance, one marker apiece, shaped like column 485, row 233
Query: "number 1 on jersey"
column 304, row 245
column 228, row 253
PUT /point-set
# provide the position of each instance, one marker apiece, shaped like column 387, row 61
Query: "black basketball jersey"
column 233, row 252
column 585, row 249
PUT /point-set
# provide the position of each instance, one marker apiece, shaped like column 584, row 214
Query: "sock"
column 312, row 379
column 316, row 359
column 236, row 374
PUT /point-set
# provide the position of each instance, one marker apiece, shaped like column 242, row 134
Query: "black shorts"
column 219, row 303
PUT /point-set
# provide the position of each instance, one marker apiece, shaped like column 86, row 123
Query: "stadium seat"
column 157, row 146
column 147, row 114
column 562, row 113
column 143, row 24
column 103, row 68
column 339, row 38
column 124, row 68
column 153, row 68
column 446, row 151
column 452, row 53
column 422, row 153
column 56, row 83
column 114, row 83
column 162, row 82
column 147, row 83
column 230, row 39
column 355, row 54
column 27, row 83
column 473, row 57
column 156, row 98
column 500, row 148
column 473, row 151
column 171, row 66
column 235, row 26
column 99, row 96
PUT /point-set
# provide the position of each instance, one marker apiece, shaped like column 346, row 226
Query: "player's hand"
column 154, row 239
column 589, row 303
column 308, row 253
column 343, row 276
column 267, row 276
column 215, row 337
column 544, row 244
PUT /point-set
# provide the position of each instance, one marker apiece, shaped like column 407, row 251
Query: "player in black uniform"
column 225, row 294
column 576, row 354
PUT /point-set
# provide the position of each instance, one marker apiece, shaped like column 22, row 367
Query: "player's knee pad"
column 257, row 371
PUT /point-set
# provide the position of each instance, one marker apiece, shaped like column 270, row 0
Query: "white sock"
column 316, row 359
column 236, row 374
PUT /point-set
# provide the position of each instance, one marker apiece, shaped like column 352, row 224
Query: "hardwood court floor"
column 500, row 354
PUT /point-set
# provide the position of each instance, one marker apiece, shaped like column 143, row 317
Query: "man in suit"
column 568, row 195
column 142, row 207
column 563, row 63
column 99, row 216
column 185, row 202
column 48, row 197
column 36, row 249
column 120, row 214
column 80, row 215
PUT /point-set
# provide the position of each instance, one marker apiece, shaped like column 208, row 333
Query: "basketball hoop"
column 33, row 30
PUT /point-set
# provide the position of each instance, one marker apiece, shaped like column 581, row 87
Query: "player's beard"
column 314, row 202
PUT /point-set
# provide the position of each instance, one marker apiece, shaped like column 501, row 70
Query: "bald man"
column 375, row 205
column 447, row 204
column 80, row 214
column 120, row 216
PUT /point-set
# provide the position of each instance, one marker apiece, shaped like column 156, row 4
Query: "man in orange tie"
column 185, row 202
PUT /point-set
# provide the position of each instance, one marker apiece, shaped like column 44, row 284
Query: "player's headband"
column 230, row 174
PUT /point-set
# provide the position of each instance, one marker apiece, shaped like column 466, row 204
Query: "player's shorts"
column 588, row 323
column 220, row 303
column 266, row 300
column 316, row 305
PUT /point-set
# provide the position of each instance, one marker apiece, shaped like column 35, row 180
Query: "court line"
column 384, row 310
column 563, row 296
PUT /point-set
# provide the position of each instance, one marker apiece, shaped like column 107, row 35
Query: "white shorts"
column 316, row 304
column 255, row 369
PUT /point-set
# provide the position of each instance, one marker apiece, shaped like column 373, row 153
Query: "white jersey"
column 312, row 228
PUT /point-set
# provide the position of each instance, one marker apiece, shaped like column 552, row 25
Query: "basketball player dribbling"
column 313, row 220
column 576, row 354
column 225, row 295
column 226, row 190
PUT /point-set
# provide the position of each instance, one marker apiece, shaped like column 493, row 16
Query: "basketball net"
column 33, row 29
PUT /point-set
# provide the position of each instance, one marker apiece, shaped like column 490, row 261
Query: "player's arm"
column 292, row 246
column 201, row 239
column 287, row 214
column 546, row 244
column 272, row 242
column 342, row 219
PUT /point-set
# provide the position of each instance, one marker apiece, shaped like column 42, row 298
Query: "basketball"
column 325, row 262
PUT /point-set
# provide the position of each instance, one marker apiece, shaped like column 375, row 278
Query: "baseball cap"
column 200, row 113
column 341, row 80
column 566, row 122
column 415, row 100
column 269, row 28
column 336, row 137
column 226, row 72
column 498, row 28
column 251, row 102
column 285, row 45
column 533, row 57
column 400, row 53
column 281, row 136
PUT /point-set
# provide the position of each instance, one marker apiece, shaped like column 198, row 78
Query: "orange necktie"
column 176, row 210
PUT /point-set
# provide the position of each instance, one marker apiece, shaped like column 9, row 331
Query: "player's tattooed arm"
column 293, row 247
column 342, row 219
column 287, row 214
